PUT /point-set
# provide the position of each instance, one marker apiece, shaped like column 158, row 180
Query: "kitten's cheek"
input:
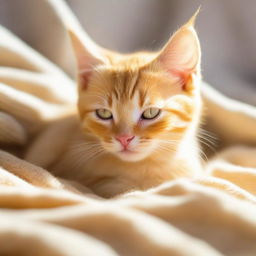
column 116, row 146
column 134, row 143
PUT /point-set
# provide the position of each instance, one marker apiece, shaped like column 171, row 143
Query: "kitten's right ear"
column 85, row 59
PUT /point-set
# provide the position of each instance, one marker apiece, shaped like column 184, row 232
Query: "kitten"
column 139, row 116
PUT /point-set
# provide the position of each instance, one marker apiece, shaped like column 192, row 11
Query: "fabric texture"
column 40, row 214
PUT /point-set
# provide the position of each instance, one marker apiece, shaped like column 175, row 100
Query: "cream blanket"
column 43, row 215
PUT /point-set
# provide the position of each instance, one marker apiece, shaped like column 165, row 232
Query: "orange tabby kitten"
column 139, row 116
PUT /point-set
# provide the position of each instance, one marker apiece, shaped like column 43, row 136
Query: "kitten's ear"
column 86, row 59
column 181, row 56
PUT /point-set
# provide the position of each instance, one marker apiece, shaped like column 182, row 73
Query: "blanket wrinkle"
column 37, row 84
column 11, row 131
column 34, row 238
column 41, row 214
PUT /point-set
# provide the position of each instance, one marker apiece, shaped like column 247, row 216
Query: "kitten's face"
column 138, row 105
column 134, row 114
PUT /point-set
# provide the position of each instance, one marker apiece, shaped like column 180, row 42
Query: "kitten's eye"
column 150, row 113
column 104, row 114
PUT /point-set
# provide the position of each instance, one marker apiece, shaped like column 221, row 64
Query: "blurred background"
column 226, row 29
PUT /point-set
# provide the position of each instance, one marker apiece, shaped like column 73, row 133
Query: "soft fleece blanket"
column 42, row 215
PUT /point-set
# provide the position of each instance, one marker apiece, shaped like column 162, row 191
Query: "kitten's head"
column 139, row 104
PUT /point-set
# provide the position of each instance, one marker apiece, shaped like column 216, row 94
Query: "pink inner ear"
column 183, row 76
column 181, row 55
column 84, row 78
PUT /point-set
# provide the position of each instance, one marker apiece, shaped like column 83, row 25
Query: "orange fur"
column 162, row 149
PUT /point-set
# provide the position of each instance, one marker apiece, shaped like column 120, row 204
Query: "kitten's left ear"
column 87, row 58
column 181, row 56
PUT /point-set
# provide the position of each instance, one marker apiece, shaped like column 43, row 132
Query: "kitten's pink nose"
column 125, row 139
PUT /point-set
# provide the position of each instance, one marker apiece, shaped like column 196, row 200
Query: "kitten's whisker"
column 83, row 152
column 83, row 144
column 208, row 144
column 82, row 160
column 96, row 154
column 175, row 143
column 208, row 133
column 207, row 140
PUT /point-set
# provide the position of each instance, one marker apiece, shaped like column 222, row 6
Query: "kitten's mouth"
column 127, row 151
column 129, row 155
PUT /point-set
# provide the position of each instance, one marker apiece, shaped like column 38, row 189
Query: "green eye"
column 104, row 114
column 150, row 113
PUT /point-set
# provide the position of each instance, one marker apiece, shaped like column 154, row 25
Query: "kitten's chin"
column 130, row 156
